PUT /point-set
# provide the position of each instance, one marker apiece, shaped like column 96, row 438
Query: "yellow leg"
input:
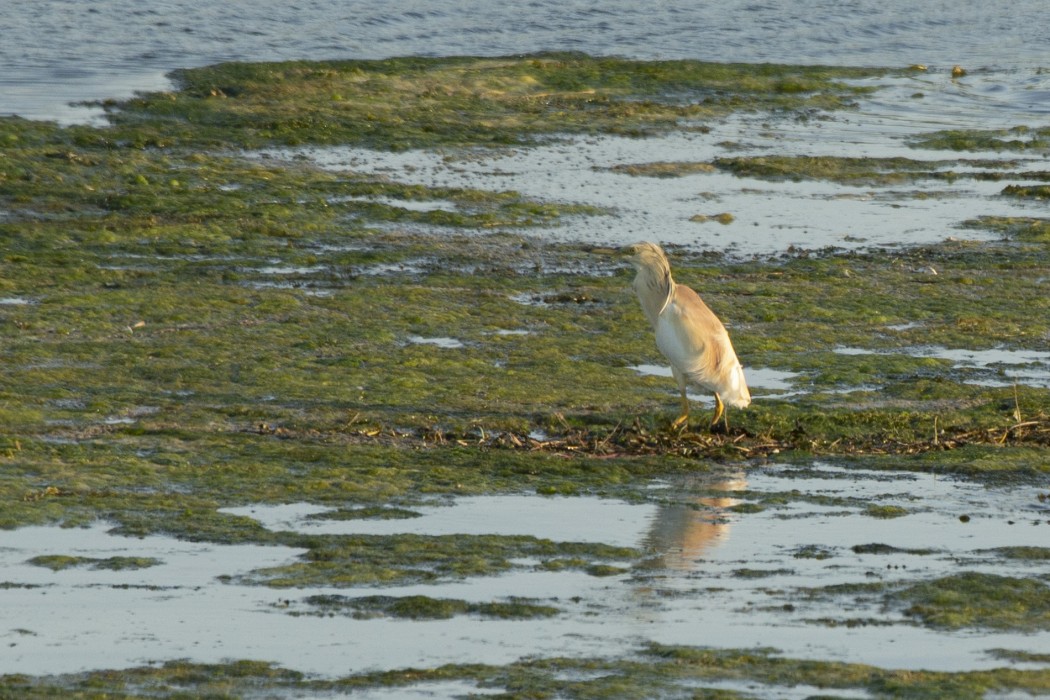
column 720, row 412
column 684, row 418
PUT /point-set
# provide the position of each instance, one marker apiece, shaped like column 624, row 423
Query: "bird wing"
column 696, row 343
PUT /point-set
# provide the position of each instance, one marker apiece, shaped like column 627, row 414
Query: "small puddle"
column 420, row 205
column 723, row 562
column 995, row 368
column 762, row 381
column 425, row 691
column 408, row 267
column 446, row 343
column 800, row 691
column 291, row 270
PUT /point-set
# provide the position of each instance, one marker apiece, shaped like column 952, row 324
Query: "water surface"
column 59, row 51
column 708, row 573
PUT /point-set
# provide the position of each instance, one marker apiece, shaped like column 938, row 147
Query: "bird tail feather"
column 734, row 391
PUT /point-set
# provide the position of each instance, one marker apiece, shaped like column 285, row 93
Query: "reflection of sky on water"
column 61, row 51
column 995, row 367
column 761, row 381
column 708, row 573
column 769, row 217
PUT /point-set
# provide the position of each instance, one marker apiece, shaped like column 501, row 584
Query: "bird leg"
column 720, row 412
column 681, row 420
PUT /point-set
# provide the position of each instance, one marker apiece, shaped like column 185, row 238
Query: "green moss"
column 120, row 563
column 58, row 562
column 885, row 512
column 1020, row 138
column 978, row 600
column 602, row 570
column 813, row 551
column 173, row 679
column 852, row 170
column 760, row 573
column 425, row 607
column 367, row 513
column 1019, row 552
column 659, row 670
column 1020, row 656
column 725, row 218
column 426, row 102
column 880, row 548
column 1027, row 229
column 139, row 287
column 664, row 169
column 344, row 561
column 1016, row 465
column 1027, row 191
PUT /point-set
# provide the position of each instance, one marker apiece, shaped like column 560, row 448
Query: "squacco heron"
column 688, row 334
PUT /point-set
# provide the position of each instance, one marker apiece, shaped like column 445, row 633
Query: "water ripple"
column 125, row 47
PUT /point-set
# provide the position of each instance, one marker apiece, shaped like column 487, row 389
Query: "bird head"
column 653, row 282
column 645, row 255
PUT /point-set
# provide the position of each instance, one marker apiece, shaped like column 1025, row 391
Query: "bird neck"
column 655, row 288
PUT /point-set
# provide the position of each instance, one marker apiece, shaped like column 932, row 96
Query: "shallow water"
column 444, row 343
column 768, row 217
column 60, row 51
column 597, row 520
column 762, row 381
column 996, row 368
column 692, row 588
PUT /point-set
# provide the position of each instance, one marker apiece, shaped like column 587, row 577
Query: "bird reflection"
column 683, row 532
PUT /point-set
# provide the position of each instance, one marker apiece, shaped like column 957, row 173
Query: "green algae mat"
column 188, row 327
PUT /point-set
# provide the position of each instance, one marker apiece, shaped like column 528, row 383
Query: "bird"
column 688, row 334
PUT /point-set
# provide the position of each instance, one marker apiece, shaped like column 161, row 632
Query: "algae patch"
column 1029, row 229
column 58, row 562
column 1024, row 553
column 979, row 600
column 404, row 103
column 373, row 560
column 664, row 670
column 422, row 607
column 1019, row 138
column 858, row 171
column 885, row 511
